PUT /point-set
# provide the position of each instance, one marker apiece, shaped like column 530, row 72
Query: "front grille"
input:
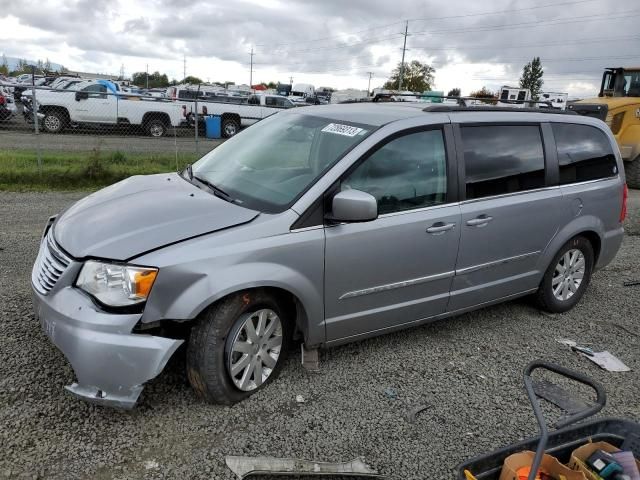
column 50, row 265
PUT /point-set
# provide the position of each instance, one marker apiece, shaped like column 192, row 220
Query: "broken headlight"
column 116, row 285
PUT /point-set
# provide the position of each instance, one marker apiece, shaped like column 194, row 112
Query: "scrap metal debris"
column 391, row 393
column 605, row 360
column 246, row 466
column 411, row 414
column 631, row 283
column 300, row 399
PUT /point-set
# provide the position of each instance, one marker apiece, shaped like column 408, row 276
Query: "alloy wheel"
column 255, row 349
column 568, row 274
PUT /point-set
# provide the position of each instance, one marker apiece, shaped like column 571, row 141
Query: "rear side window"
column 584, row 153
column 502, row 159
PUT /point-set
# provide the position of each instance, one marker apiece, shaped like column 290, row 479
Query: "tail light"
column 2, row 100
column 623, row 210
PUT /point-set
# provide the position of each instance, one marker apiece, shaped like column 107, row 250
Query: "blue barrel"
column 212, row 127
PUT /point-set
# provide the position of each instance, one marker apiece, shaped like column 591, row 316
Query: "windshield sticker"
column 346, row 130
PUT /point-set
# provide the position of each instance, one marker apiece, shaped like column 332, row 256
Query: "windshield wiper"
column 218, row 192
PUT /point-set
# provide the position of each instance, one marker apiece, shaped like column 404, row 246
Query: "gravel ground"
column 467, row 370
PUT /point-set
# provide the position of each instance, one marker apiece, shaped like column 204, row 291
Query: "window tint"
column 584, row 153
column 406, row 173
column 502, row 159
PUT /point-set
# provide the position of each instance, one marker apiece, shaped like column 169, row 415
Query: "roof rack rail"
column 477, row 104
column 491, row 108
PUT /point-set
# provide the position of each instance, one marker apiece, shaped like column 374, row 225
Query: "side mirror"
column 81, row 96
column 354, row 206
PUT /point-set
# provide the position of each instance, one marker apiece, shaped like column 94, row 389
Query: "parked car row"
column 73, row 102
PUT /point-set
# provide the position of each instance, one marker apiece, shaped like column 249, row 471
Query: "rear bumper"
column 610, row 245
column 111, row 363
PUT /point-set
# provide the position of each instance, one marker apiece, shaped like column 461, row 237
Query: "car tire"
column 222, row 351
column 156, row 128
column 562, row 287
column 53, row 121
column 230, row 127
column 632, row 173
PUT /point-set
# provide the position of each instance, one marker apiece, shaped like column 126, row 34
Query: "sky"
column 333, row 43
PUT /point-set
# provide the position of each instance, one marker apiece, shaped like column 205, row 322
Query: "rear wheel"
column 230, row 127
column 156, row 128
column 54, row 121
column 632, row 173
column 237, row 347
column 568, row 276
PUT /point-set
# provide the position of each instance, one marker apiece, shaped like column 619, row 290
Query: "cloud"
column 331, row 39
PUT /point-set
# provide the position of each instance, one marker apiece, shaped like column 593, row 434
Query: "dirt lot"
column 467, row 370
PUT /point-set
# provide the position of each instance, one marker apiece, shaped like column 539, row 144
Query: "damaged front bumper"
column 111, row 363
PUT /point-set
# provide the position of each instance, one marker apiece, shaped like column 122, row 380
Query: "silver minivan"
column 325, row 225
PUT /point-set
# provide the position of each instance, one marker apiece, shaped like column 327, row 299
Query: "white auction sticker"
column 346, row 130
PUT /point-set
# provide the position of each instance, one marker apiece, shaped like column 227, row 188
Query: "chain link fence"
column 104, row 122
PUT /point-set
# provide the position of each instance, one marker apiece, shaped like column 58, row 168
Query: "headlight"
column 116, row 285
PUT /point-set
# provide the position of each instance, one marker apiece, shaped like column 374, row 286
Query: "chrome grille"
column 50, row 265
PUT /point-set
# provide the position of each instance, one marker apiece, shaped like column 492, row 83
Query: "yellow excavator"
column 618, row 104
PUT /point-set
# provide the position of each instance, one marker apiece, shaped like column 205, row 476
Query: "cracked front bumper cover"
column 111, row 364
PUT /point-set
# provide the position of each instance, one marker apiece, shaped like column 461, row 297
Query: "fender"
column 578, row 225
column 203, row 289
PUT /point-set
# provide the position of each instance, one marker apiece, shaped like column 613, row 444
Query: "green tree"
column 417, row 77
column 532, row 77
column 192, row 80
column 454, row 92
column 4, row 66
column 484, row 92
column 156, row 79
column 47, row 65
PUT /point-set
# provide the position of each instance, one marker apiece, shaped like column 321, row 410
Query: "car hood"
column 143, row 213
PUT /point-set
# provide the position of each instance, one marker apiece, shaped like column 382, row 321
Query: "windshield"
column 267, row 166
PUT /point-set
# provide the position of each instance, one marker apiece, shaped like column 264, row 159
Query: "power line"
column 479, row 14
column 534, row 24
column 537, row 45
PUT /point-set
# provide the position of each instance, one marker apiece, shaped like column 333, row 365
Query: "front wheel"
column 632, row 173
column 237, row 347
column 53, row 122
column 568, row 276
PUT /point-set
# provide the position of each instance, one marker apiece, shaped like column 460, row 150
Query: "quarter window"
column 502, row 159
column 584, row 153
column 406, row 173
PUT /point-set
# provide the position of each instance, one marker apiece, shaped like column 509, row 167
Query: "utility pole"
column 251, row 54
column 369, row 85
column 404, row 48
column 184, row 67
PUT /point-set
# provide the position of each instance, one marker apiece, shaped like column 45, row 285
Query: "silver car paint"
column 149, row 211
column 350, row 280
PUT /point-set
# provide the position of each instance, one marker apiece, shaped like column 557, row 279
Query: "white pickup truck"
column 103, row 103
column 237, row 112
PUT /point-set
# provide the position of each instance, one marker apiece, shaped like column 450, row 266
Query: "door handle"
column 439, row 228
column 480, row 221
